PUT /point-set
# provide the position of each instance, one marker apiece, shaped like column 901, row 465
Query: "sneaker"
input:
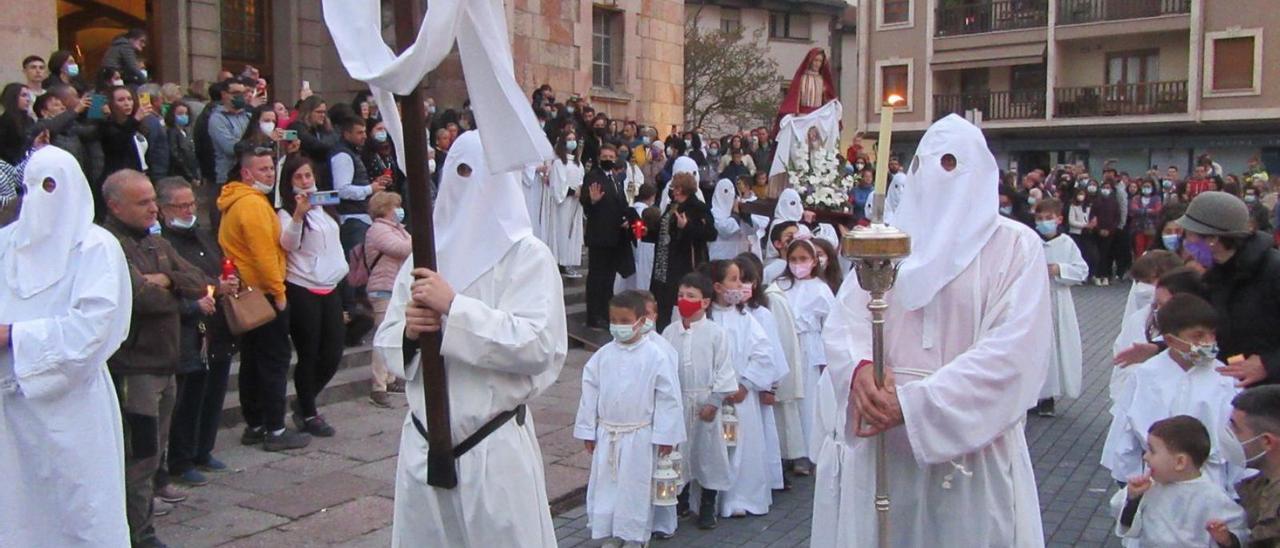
column 252, row 435
column 171, row 494
column 286, row 440
column 213, row 465
column 572, row 273
column 380, row 398
column 396, row 387
column 1045, row 408
column 160, row 508
column 316, row 426
column 192, row 478
column 659, row 535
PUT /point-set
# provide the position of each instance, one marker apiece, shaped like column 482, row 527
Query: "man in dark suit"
column 607, row 236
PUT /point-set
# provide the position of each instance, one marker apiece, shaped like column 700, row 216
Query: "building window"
column 730, row 20
column 1133, row 67
column 606, row 47
column 895, row 12
column 244, row 32
column 790, row 26
column 1233, row 64
column 895, row 81
column 893, row 76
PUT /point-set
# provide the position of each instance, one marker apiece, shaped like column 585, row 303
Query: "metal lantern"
column 666, row 483
column 729, row 422
column 677, row 463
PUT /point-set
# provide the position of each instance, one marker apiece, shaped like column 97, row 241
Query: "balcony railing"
column 1121, row 99
column 995, row 105
column 991, row 16
column 1089, row 11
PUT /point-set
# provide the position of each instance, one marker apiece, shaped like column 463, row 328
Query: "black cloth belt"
column 474, row 439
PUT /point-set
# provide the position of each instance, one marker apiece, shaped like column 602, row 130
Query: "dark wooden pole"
column 441, row 470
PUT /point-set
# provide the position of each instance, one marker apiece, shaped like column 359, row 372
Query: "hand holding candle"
column 882, row 145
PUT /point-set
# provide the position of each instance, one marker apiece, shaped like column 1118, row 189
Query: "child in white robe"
column 1067, row 268
column 811, row 301
column 1139, row 329
column 758, row 304
column 645, row 196
column 753, row 356
column 1182, row 380
column 707, row 377
column 629, row 412
column 664, row 517
column 565, row 182
column 1174, row 504
column 780, row 236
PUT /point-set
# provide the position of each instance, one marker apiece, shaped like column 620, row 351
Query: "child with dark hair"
column 1139, row 335
column 780, row 236
column 829, row 269
column 1173, row 504
column 630, row 410
column 707, row 377
column 1182, row 380
column 1066, row 268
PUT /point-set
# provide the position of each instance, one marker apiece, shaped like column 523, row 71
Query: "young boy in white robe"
column 1174, row 504
column 664, row 517
column 1066, row 268
column 758, row 367
column 1139, row 334
column 646, row 193
column 707, row 377
column 811, row 301
column 758, row 306
column 780, row 236
column 1182, row 380
column 630, row 409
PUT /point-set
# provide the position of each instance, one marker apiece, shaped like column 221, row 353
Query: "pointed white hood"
column 55, row 218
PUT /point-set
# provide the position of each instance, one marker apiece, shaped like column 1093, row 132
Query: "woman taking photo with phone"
column 316, row 265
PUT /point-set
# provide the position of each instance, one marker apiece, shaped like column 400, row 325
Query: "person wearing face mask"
column 812, row 302
column 561, row 217
column 124, row 55
column 680, row 237
column 182, row 149
column 1105, row 218
column 657, row 160
column 1145, row 211
column 1066, row 268
column 379, row 156
column 316, row 264
column 1243, row 280
column 207, row 343
column 629, row 415
column 1255, row 421
column 250, row 236
column 1182, row 380
column 1080, row 224
column 608, row 235
column 386, row 245
column 227, row 125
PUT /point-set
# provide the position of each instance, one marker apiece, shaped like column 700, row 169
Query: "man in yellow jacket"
column 250, row 236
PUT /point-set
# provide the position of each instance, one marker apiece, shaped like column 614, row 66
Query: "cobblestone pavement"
column 339, row 490
column 1074, row 488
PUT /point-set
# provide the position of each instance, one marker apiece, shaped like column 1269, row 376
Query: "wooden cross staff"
column 441, row 471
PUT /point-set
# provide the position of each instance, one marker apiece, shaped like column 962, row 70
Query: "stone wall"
column 30, row 30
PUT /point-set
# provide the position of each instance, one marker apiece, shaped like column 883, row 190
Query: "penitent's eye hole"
column 464, row 170
column 948, row 161
column 915, row 165
column 49, row 184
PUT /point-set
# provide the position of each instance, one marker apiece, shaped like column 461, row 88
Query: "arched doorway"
column 87, row 27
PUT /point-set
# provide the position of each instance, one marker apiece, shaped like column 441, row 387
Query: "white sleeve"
column 987, row 389
column 290, row 232
column 1073, row 271
column 343, row 173
column 584, row 425
column 726, row 226
column 724, row 378
column 1122, row 451
column 668, row 409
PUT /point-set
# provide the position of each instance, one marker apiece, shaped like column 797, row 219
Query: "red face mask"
column 688, row 307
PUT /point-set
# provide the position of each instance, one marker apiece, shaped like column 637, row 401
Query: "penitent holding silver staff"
column 963, row 350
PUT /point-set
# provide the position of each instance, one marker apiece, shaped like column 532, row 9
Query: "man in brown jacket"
column 144, row 367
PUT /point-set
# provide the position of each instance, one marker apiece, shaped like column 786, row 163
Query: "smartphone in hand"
column 324, row 198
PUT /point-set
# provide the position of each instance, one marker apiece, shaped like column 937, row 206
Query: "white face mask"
column 183, row 223
column 399, row 214
column 303, row 191
column 267, row 127
column 117, row 82
column 263, row 187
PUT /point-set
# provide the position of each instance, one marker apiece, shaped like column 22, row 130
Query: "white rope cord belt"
column 616, row 430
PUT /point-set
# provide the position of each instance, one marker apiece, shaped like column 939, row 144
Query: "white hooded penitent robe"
column 967, row 336
column 731, row 230
column 1066, row 361
column 630, row 404
column 67, row 292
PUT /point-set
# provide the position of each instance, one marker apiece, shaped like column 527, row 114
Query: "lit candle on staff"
column 882, row 144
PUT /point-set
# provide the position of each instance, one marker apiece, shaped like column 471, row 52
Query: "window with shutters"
column 606, row 47
column 1234, row 64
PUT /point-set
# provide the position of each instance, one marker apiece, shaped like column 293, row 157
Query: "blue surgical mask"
column 181, row 119
column 399, row 214
column 622, row 332
column 380, row 136
column 1006, row 210
column 1047, row 228
column 644, row 140
column 1171, row 241
column 1031, row 200
column 155, row 227
column 1146, row 190
column 73, row 70
column 648, row 326
column 571, row 146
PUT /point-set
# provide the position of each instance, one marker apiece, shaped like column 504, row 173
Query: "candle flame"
column 893, row 100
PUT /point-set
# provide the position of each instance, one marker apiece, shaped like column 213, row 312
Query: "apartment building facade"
column 1139, row 83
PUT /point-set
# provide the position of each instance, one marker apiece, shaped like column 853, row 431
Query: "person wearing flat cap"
column 1243, row 281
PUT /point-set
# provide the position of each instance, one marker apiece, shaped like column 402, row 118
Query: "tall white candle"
column 882, row 145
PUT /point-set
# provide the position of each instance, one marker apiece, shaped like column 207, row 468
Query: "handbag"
column 247, row 310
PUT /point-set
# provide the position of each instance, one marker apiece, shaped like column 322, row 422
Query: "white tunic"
column 968, row 365
column 790, row 395
column 531, row 182
column 1135, row 329
column 1066, row 361
column 61, row 439
column 504, row 343
column 1158, row 389
column 706, row 377
column 1175, row 514
column 752, row 355
column 566, row 212
column 643, row 259
column 630, row 404
column 811, row 303
column 768, row 413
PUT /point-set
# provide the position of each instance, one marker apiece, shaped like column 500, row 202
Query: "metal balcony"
column 995, row 105
column 1071, row 12
column 1121, row 99
column 991, row 16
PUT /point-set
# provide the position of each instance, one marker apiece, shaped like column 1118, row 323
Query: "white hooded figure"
column 967, row 341
column 65, row 303
column 790, row 207
column 731, row 229
column 504, row 343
